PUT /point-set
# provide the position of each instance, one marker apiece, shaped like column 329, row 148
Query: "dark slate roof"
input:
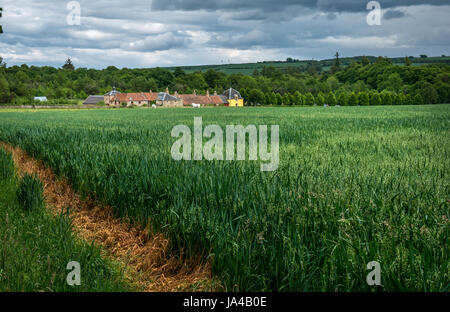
column 223, row 98
column 112, row 93
column 93, row 100
column 162, row 96
column 230, row 93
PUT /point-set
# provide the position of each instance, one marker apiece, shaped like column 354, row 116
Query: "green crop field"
column 354, row 185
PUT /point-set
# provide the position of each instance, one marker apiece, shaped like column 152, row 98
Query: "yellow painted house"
column 234, row 98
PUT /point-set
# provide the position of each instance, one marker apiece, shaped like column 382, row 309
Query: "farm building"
column 233, row 98
column 108, row 97
column 93, row 100
column 165, row 99
column 203, row 100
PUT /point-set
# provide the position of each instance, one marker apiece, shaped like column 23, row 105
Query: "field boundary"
column 51, row 107
column 144, row 255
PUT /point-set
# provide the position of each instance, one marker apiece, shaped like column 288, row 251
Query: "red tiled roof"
column 189, row 99
column 135, row 97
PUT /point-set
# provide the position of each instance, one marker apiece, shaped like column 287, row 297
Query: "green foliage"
column 375, row 99
column 409, row 100
column 35, row 249
column 4, row 89
column 342, row 99
column 6, row 165
column 30, row 193
column 386, row 98
column 286, row 99
column 298, row 99
column 309, row 100
column 353, row 99
column 331, row 99
column 20, row 83
column 279, row 99
column 418, row 100
column 320, row 99
column 363, row 99
column 68, row 65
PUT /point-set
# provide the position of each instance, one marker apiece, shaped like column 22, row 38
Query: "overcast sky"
column 145, row 33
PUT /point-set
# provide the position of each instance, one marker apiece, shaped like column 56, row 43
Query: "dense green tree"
column 279, row 99
column 337, row 64
column 320, row 99
column 428, row 92
column 4, row 90
column 342, row 99
column 309, row 100
column 298, row 98
column 353, row 99
column 286, row 99
column 375, row 99
column 386, row 98
column 68, row 65
column 418, row 100
column 363, row 99
column 331, row 99
column 179, row 72
column 409, row 100
column 273, row 99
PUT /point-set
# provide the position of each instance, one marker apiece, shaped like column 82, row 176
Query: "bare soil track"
column 144, row 256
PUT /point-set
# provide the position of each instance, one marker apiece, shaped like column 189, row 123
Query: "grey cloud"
column 161, row 42
column 391, row 14
column 136, row 33
column 270, row 5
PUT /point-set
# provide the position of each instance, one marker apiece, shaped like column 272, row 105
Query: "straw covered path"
column 144, row 256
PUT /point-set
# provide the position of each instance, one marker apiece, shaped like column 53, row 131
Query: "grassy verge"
column 35, row 247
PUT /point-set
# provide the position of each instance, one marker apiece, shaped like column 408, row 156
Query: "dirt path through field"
column 147, row 263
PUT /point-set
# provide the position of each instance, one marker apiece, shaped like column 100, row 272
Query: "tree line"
column 364, row 82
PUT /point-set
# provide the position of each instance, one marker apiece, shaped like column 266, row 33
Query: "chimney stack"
column 207, row 92
column 215, row 93
column 167, row 90
column 195, row 92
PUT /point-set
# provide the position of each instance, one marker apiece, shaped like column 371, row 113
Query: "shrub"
column 6, row 165
column 320, row 99
column 331, row 99
column 30, row 193
column 309, row 100
column 298, row 98
column 418, row 100
column 342, row 99
column 353, row 99
column 375, row 99
column 363, row 99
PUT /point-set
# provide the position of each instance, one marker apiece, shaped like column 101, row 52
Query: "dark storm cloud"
column 391, row 14
column 271, row 6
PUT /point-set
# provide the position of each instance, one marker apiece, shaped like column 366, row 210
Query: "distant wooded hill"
column 303, row 65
